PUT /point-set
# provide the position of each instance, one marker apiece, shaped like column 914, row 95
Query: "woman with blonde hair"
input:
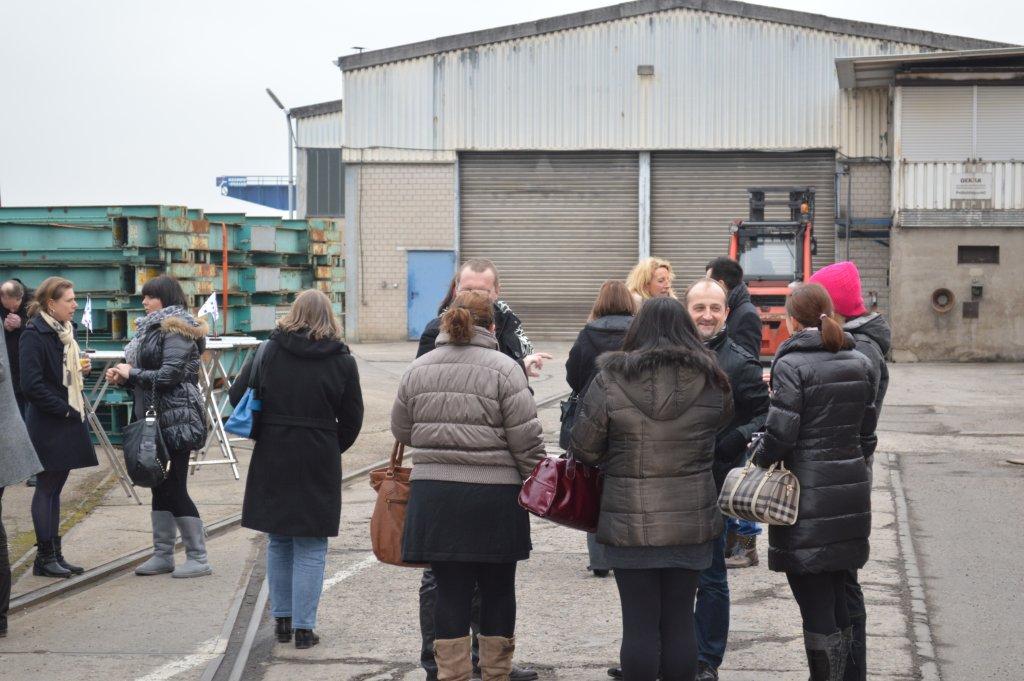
column 651, row 278
column 468, row 411
column 312, row 412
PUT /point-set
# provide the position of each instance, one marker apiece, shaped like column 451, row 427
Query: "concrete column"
column 644, row 247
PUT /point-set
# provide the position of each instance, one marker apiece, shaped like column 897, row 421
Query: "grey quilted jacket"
column 468, row 413
column 650, row 419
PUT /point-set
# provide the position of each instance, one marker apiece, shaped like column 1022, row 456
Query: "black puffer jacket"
column 13, row 338
column 169, row 361
column 750, row 402
column 822, row 403
column 873, row 338
column 744, row 323
column 596, row 338
column 650, row 419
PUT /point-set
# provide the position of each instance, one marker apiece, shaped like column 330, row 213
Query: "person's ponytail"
column 832, row 336
column 458, row 324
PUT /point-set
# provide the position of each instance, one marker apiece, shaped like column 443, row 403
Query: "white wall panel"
column 320, row 132
column 1000, row 123
column 926, row 186
column 720, row 82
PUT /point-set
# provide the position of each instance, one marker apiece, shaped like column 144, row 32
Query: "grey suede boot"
column 193, row 536
column 165, row 532
column 826, row 655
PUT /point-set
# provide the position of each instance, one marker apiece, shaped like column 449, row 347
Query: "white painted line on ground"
column 919, row 606
column 350, row 571
column 208, row 650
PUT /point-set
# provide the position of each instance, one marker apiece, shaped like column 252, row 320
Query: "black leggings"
column 822, row 600
column 455, row 585
column 46, row 504
column 657, row 623
column 172, row 494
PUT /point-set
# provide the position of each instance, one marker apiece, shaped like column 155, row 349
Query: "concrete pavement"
column 158, row 628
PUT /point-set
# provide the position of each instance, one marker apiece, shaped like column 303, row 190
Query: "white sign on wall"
column 971, row 186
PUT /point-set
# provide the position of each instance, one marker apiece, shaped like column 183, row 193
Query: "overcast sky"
column 139, row 101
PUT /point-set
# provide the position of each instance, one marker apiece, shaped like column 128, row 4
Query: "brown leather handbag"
column 564, row 491
column 388, row 520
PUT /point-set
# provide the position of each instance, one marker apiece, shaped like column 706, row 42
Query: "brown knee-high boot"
column 496, row 657
column 452, row 657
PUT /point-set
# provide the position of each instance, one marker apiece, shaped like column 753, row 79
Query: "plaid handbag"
column 763, row 495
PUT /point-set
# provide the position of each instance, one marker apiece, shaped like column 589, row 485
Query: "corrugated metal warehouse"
column 567, row 148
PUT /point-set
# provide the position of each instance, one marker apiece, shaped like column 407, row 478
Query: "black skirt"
column 465, row 523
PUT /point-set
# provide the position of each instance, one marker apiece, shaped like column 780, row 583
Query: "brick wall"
column 871, row 199
column 401, row 206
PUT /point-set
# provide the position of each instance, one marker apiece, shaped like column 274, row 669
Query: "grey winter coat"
column 650, row 420
column 169, row 362
column 822, row 405
column 18, row 458
column 468, row 412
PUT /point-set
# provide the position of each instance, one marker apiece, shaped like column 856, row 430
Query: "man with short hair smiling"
column 706, row 301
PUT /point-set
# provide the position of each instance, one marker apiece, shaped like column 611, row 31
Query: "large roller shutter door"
column 556, row 224
column 695, row 197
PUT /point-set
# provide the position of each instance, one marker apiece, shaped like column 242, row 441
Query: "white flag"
column 87, row 314
column 210, row 307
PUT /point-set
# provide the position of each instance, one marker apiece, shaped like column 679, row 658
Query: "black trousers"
column 657, row 623
column 822, row 600
column 856, row 667
column 5, row 565
column 46, row 504
column 456, row 583
column 428, row 603
column 172, row 494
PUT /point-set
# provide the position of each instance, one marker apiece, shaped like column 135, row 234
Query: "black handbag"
column 145, row 455
column 568, row 418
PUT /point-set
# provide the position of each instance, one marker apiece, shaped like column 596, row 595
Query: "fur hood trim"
column 182, row 327
column 632, row 365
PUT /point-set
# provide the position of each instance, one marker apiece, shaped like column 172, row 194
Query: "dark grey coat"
column 58, row 433
column 822, row 404
column 744, row 323
column 168, row 370
column 18, row 458
column 873, row 339
column 650, row 420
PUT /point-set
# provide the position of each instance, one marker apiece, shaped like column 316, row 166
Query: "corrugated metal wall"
column 695, row 197
column 928, row 185
column 320, row 132
column 556, row 224
column 720, row 82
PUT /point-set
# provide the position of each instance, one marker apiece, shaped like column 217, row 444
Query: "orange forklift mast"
column 774, row 247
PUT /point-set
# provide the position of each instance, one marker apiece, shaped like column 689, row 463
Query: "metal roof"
column 333, row 106
column 880, row 71
column 939, row 41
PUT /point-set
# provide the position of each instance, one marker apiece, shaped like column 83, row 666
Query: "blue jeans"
column 295, row 573
column 711, row 614
column 744, row 528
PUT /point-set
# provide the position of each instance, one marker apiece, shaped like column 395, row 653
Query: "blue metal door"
column 430, row 272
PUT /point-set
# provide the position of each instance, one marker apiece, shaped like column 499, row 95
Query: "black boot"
column 857, row 662
column 283, row 629
column 826, row 655
column 305, row 638
column 59, row 554
column 46, row 564
column 3, row 626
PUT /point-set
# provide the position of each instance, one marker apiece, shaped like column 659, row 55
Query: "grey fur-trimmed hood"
column 662, row 382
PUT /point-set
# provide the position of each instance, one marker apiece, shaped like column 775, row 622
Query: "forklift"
column 774, row 254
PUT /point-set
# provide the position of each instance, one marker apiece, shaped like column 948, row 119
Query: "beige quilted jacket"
column 468, row 413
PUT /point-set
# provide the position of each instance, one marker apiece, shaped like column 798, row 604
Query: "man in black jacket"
column 13, row 315
column 706, row 303
column 482, row 276
column 744, row 323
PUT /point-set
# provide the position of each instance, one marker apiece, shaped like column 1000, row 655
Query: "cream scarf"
column 72, row 363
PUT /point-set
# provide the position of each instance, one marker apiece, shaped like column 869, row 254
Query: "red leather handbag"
column 564, row 491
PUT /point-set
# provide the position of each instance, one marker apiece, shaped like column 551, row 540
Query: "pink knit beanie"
column 842, row 281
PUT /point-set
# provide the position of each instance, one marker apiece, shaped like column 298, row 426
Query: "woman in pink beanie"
column 872, row 336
